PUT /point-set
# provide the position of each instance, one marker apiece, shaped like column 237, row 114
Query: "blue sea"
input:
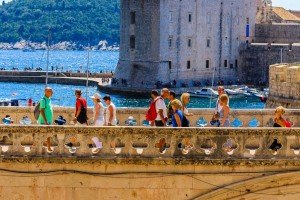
column 65, row 60
column 76, row 60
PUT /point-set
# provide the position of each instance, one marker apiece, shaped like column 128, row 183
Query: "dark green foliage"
column 81, row 21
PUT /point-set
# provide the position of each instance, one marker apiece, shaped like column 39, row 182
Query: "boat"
column 28, row 49
column 263, row 97
column 10, row 102
column 235, row 93
column 205, row 93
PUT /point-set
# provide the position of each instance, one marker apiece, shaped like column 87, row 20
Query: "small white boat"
column 205, row 93
column 235, row 93
column 10, row 102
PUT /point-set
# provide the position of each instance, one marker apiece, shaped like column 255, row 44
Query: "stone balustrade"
column 136, row 116
column 149, row 144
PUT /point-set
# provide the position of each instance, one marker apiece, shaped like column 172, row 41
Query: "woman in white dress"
column 98, row 110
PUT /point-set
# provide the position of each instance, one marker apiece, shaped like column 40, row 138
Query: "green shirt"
column 45, row 103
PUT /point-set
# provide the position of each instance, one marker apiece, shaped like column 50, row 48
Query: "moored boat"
column 205, row 93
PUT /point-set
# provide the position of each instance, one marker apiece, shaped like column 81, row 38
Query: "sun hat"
column 96, row 96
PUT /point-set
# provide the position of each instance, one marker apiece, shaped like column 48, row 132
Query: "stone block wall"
column 256, row 59
column 277, row 33
column 284, row 86
column 175, row 39
column 139, row 65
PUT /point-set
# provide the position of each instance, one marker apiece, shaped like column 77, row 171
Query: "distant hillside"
column 81, row 21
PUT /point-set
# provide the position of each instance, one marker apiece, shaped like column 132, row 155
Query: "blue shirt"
column 180, row 114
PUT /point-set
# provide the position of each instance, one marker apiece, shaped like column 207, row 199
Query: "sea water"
column 76, row 60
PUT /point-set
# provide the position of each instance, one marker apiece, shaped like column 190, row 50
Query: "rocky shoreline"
column 65, row 45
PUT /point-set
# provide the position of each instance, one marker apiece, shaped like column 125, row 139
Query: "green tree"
column 80, row 21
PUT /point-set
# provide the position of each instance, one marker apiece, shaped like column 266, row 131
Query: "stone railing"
column 145, row 144
column 136, row 116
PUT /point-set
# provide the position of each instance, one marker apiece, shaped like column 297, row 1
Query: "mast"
column 48, row 49
column 87, row 72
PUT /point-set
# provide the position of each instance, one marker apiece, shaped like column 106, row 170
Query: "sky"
column 288, row 4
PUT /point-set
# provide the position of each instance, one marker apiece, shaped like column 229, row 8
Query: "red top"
column 80, row 101
column 30, row 102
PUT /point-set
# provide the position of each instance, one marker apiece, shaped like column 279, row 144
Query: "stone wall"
column 277, row 33
column 263, row 118
column 162, row 33
column 256, row 59
column 139, row 64
column 53, row 74
column 56, row 80
column 284, row 86
column 211, row 164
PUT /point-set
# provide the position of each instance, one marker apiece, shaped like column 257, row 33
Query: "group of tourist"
column 175, row 113
column 101, row 116
column 160, row 115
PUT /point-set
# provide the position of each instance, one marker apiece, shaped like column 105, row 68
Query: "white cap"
column 96, row 96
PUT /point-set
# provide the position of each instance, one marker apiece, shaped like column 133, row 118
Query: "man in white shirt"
column 161, row 108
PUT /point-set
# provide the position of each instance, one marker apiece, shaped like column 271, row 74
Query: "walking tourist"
column 157, row 112
column 81, row 109
column 279, row 121
column 224, row 112
column 177, row 117
column 98, row 110
column 151, row 114
column 161, row 108
column 185, row 100
column 172, row 97
column 111, row 112
column 46, row 112
column 45, row 108
column 216, row 116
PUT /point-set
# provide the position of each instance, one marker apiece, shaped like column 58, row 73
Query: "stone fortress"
column 232, row 41
column 284, row 85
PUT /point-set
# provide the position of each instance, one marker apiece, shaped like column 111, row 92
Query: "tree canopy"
column 80, row 21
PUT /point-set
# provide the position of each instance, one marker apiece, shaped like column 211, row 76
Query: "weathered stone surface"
column 264, row 116
column 284, row 84
column 105, row 175
column 162, row 31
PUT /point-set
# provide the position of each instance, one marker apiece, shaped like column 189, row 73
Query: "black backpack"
column 185, row 122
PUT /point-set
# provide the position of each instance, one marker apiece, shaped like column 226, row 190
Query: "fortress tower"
column 183, row 40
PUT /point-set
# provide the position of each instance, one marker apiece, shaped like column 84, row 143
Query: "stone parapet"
column 203, row 164
column 239, row 118
column 155, row 146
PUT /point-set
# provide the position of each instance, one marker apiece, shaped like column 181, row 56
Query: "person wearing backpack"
column 81, row 109
column 44, row 111
column 157, row 113
column 45, row 115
